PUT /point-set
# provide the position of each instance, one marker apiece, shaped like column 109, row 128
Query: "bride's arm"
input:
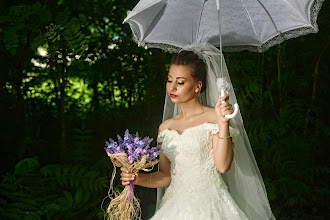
column 222, row 144
column 222, row 149
column 158, row 179
column 161, row 178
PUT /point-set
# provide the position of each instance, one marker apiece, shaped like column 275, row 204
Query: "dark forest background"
column 71, row 77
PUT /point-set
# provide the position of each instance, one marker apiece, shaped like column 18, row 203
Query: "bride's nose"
column 172, row 87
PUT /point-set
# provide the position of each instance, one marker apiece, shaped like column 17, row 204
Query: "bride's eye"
column 168, row 81
column 180, row 83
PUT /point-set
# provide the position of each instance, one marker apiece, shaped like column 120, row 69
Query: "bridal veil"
column 243, row 180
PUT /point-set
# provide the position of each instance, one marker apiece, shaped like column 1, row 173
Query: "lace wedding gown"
column 197, row 190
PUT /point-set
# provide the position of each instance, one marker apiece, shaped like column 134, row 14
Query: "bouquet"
column 135, row 154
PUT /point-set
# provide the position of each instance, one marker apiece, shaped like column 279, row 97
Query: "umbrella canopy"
column 253, row 25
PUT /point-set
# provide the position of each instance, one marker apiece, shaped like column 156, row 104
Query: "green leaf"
column 68, row 197
column 83, row 19
column 26, row 165
column 84, row 47
column 38, row 41
column 81, row 36
column 82, row 42
column 78, row 196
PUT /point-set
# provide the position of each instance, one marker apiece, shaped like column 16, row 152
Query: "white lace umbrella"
column 253, row 25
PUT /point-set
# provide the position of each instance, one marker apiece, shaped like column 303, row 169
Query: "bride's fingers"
column 128, row 175
column 222, row 98
column 226, row 109
column 125, row 183
column 127, row 178
column 123, row 179
column 227, row 112
column 218, row 102
column 225, row 98
column 226, row 106
column 124, row 169
column 219, row 98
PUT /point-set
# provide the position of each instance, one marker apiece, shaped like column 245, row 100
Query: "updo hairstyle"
column 194, row 63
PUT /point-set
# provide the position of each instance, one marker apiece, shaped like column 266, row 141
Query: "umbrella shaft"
column 220, row 43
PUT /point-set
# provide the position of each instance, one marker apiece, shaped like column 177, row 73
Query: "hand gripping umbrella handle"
column 222, row 90
column 236, row 108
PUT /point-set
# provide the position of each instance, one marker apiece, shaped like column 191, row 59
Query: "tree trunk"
column 20, row 110
column 96, row 101
column 316, row 71
column 279, row 77
column 305, row 130
column 61, row 71
column 18, row 77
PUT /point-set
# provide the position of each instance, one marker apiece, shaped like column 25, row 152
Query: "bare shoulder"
column 210, row 115
column 165, row 125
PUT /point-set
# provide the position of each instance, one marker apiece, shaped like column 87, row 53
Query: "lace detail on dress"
column 160, row 137
column 232, row 131
column 197, row 190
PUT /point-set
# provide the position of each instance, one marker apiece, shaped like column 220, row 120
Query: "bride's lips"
column 173, row 96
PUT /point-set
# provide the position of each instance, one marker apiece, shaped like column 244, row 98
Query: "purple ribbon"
column 131, row 189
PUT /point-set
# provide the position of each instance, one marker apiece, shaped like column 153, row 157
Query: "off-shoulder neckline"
column 172, row 130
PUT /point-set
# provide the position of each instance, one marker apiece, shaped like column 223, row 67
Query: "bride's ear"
column 198, row 87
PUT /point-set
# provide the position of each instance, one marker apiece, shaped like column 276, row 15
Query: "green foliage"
column 69, row 33
column 53, row 191
column 82, row 142
column 19, row 30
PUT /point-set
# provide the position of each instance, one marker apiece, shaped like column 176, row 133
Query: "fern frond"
column 26, row 165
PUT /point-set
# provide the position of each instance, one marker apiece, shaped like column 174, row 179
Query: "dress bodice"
column 190, row 153
column 193, row 172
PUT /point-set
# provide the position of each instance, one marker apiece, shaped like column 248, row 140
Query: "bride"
column 207, row 165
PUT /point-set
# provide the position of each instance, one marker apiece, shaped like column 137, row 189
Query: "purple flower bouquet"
column 135, row 154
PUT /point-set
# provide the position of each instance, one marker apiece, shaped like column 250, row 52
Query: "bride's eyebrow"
column 179, row 77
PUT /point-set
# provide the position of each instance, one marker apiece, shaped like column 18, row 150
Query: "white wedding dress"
column 197, row 190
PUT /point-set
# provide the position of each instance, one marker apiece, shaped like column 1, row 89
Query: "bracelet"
column 224, row 137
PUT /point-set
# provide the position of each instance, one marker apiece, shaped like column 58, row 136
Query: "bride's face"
column 181, row 86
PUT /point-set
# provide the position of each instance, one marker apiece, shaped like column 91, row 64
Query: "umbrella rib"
column 270, row 17
column 199, row 23
column 293, row 8
column 149, row 29
column 248, row 14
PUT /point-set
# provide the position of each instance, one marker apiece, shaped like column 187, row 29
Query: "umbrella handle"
column 236, row 108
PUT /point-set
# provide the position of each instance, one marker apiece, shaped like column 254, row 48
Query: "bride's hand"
column 223, row 109
column 126, row 177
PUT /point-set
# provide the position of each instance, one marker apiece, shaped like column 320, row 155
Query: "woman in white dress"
column 198, row 147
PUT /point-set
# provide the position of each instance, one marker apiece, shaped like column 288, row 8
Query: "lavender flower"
column 133, row 146
column 131, row 159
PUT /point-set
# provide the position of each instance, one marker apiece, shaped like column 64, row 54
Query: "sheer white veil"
column 244, row 180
